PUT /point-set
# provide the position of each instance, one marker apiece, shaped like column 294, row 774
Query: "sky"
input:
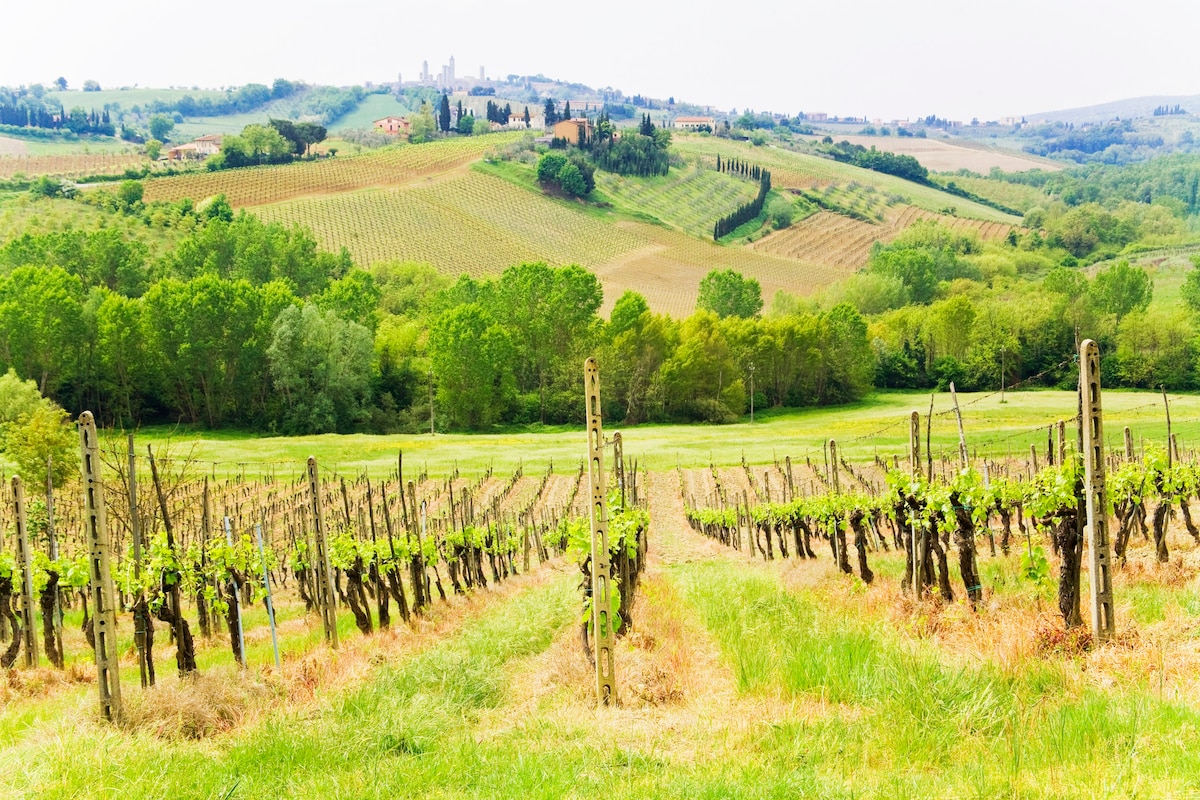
column 876, row 58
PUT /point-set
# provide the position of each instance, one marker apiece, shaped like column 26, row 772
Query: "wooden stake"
column 602, row 626
column 108, row 671
column 25, row 555
column 1103, row 620
column 319, row 562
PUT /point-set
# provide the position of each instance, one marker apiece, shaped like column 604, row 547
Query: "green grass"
column 875, row 425
column 405, row 731
column 905, row 722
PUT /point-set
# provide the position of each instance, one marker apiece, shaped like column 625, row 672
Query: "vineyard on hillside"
column 689, row 199
column 473, row 223
column 845, row 243
column 256, row 186
column 790, row 170
column 70, row 165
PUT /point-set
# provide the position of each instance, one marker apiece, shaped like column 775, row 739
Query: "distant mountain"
column 1128, row 108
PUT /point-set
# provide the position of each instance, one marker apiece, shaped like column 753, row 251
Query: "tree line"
column 747, row 211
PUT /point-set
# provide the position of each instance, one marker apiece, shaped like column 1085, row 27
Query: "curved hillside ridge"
column 790, row 170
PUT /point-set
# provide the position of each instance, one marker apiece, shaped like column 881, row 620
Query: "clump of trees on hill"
column 747, row 211
column 901, row 166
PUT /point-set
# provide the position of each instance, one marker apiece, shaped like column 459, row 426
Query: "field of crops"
column 74, row 165
column 802, row 171
column 843, row 243
column 256, row 186
column 471, row 223
column 690, row 199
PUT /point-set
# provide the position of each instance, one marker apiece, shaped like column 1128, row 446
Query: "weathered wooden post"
column 602, row 627
column 319, row 561
column 1060, row 434
column 918, row 534
column 25, row 554
column 962, row 438
column 1128, row 445
column 1167, row 408
column 141, row 614
column 1103, row 621
column 108, row 671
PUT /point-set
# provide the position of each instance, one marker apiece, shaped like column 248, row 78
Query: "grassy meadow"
column 876, row 426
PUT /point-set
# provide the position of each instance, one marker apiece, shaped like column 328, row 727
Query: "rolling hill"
column 443, row 204
column 1126, row 108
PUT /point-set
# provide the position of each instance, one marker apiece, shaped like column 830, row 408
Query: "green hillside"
column 799, row 170
column 373, row 107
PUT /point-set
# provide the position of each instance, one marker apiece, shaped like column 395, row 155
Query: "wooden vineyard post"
column 962, row 438
column 108, row 672
column 319, row 562
column 1128, row 445
column 1103, row 621
column 918, row 535
column 141, row 617
column 26, row 557
column 602, row 628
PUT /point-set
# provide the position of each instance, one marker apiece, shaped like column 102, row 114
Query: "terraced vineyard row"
column 844, row 244
column 473, row 223
column 254, row 186
column 69, row 165
column 690, row 200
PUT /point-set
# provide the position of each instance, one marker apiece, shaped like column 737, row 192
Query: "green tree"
column 41, row 324
column 125, row 372
column 424, row 126
column 321, row 366
column 571, row 180
column 353, row 297
column 44, row 439
column 161, row 125
column 472, row 360
column 1121, row 289
column 1190, row 291
column 549, row 165
column 153, row 149
column 130, row 194
column 444, row 115
column 208, row 337
column 729, row 294
column 701, row 379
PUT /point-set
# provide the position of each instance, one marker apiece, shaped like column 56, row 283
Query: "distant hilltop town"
column 447, row 78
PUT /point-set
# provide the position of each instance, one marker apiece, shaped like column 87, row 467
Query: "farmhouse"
column 205, row 146
column 695, row 123
column 393, row 125
column 573, row 130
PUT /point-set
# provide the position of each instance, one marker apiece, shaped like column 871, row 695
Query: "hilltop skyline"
column 931, row 57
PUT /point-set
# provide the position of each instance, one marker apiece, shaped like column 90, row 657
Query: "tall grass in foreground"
column 899, row 720
column 400, row 733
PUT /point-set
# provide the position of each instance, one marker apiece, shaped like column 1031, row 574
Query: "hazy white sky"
column 878, row 58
